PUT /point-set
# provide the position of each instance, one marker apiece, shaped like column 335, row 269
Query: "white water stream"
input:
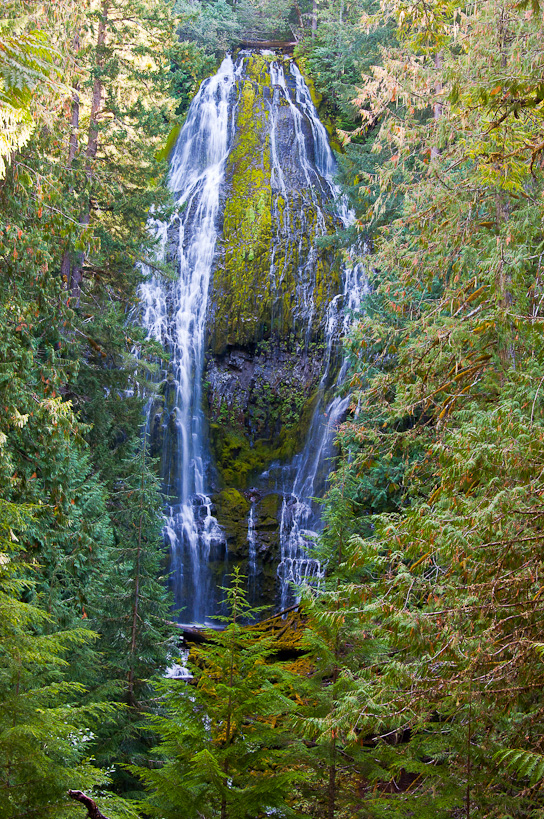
column 176, row 316
column 300, row 519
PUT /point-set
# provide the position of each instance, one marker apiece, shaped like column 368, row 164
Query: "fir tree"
column 44, row 732
column 130, row 606
column 220, row 738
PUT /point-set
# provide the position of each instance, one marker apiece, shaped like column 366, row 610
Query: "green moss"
column 268, row 509
column 265, row 288
column 234, row 458
column 164, row 153
column 232, row 509
column 317, row 98
column 239, row 461
column 252, row 298
column 267, row 527
column 241, row 281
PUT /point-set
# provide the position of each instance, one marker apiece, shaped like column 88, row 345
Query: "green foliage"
column 220, row 740
column 524, row 763
column 212, row 26
column 342, row 47
column 439, row 487
column 129, row 605
column 44, row 732
column 27, row 64
column 190, row 65
column 70, row 435
column 419, row 692
column 220, row 26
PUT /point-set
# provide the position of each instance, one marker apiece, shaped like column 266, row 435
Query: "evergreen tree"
column 44, row 732
column 27, row 63
column 130, row 606
column 220, row 739
column 451, row 594
column 69, row 432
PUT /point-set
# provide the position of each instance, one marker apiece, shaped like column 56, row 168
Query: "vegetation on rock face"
column 261, row 229
column 262, row 372
column 261, row 407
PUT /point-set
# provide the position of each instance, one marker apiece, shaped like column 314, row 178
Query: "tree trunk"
column 331, row 793
column 96, row 103
column 92, row 140
column 136, row 604
column 438, row 107
column 66, row 264
column 74, row 125
column 299, row 15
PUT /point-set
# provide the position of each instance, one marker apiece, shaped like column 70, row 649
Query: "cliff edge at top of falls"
column 272, row 283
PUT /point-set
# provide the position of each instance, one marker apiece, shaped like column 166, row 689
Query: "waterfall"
column 252, row 543
column 176, row 316
column 300, row 521
column 176, row 313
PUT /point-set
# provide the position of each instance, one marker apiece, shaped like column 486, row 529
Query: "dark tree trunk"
column 136, row 603
column 437, row 107
column 331, row 796
column 93, row 811
column 66, row 264
column 92, row 141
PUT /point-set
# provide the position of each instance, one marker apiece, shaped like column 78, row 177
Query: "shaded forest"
column 408, row 683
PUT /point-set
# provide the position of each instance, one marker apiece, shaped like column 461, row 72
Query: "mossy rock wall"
column 232, row 508
column 272, row 286
column 271, row 279
column 260, row 403
column 273, row 283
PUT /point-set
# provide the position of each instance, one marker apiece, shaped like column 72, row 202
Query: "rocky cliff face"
column 272, row 283
column 271, row 280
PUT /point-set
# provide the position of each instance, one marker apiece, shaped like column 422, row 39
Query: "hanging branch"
column 93, row 811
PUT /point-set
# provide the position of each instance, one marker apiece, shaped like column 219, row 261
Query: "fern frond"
column 523, row 764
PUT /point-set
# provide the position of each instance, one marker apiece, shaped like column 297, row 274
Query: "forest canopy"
column 409, row 682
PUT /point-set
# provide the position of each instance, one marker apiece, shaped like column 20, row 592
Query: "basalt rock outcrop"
column 273, row 283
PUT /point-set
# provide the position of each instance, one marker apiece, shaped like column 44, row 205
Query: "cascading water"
column 252, row 543
column 176, row 314
column 300, row 520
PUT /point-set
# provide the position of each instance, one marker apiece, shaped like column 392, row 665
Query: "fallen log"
column 279, row 614
column 199, row 634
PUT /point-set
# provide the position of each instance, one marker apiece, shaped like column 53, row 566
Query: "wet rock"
column 231, row 509
column 267, row 528
column 271, row 279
